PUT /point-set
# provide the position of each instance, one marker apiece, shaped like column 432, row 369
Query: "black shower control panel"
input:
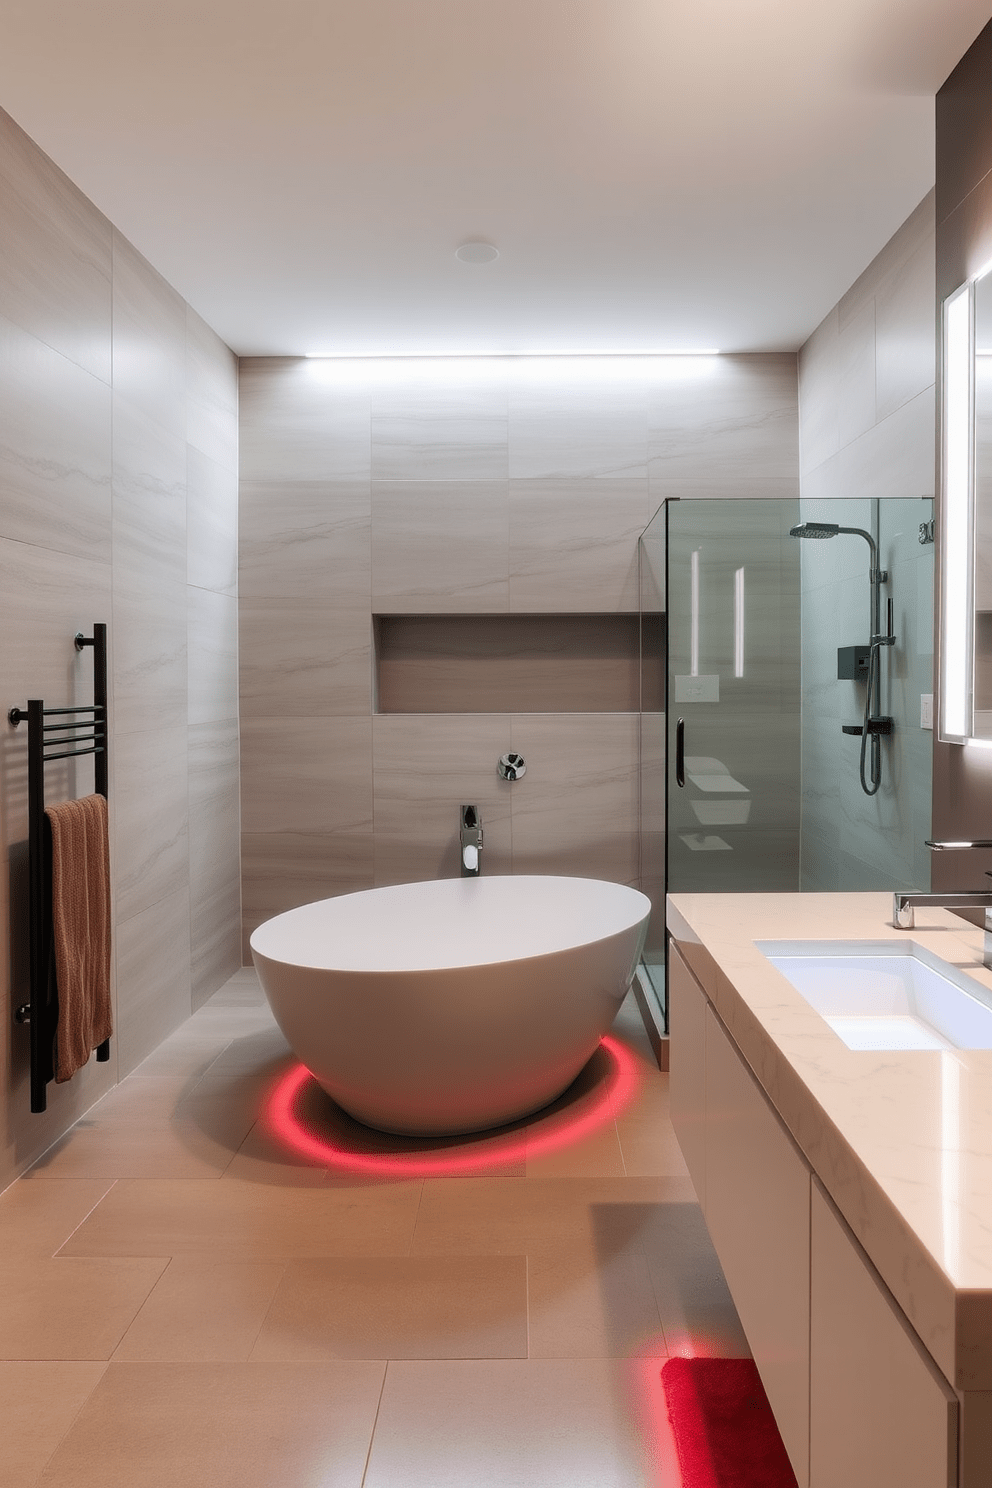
column 852, row 663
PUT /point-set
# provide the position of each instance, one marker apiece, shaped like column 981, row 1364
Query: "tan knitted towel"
column 81, row 929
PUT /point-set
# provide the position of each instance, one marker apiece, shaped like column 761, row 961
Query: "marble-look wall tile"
column 855, row 389
column 54, row 448
column 725, row 426
column 211, row 393
column 149, row 814
column 818, row 373
column 306, row 540
column 211, row 524
column 56, row 251
column 576, row 417
column 440, row 546
column 214, row 855
column 149, row 340
column 893, row 458
column 576, row 809
column 212, row 656
column 308, row 775
column 425, row 768
column 904, row 330
column 304, row 420
column 149, row 555
column 153, row 981
column 441, row 420
column 281, row 870
column 573, row 544
column 304, row 658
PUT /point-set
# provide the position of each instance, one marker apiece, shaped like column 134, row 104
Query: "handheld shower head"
column 815, row 529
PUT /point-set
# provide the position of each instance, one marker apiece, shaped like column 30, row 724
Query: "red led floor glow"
column 560, row 1129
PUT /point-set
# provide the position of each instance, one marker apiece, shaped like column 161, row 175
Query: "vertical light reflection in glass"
column 950, row 1162
column 694, row 615
column 957, row 547
column 739, row 623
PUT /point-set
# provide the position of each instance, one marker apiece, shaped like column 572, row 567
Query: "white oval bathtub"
column 453, row 1005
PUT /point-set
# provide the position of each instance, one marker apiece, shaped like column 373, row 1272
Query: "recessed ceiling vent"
column 476, row 252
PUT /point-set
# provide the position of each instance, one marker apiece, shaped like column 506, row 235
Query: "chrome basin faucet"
column 903, row 906
column 470, row 840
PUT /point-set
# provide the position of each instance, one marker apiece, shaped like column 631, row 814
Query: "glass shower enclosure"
column 753, row 692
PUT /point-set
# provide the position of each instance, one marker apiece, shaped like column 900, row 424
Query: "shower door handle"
column 680, row 752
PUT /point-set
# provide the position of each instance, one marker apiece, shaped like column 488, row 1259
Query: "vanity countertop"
column 902, row 1141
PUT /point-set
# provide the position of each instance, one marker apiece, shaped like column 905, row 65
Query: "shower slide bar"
column 46, row 742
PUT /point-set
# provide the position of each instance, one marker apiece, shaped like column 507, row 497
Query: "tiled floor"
column 185, row 1301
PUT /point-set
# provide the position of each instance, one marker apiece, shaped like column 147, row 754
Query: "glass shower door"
column 733, row 696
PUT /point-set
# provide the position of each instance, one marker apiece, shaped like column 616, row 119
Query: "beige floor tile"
column 505, row 1423
column 593, row 1299
column 550, row 1154
column 40, row 1403
column 494, row 1216
column 399, row 1307
column 697, row 1312
column 196, row 1142
column 70, row 1309
column 182, row 1056
column 229, row 1425
column 37, row 1218
column 263, row 1158
column 650, row 1149
column 244, row 1221
column 202, row 1311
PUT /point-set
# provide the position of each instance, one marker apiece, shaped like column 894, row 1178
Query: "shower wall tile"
column 281, row 870
column 56, row 251
column 306, row 539
column 212, row 656
column 573, row 544
column 55, row 449
column 211, row 523
column 726, row 427
column 149, row 340
column 305, row 657
column 214, row 855
column 587, row 758
column 304, row 420
column 308, row 775
column 153, row 977
column 149, row 814
column 211, row 393
column 425, row 767
column 894, row 458
column 819, row 436
column 440, row 547
column 904, row 329
column 855, row 391
column 571, row 418
column 441, row 421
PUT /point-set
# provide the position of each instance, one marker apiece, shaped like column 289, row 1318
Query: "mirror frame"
column 957, row 516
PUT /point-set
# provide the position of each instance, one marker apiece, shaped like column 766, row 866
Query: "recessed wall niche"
column 508, row 663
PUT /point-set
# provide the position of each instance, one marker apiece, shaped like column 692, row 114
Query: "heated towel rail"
column 72, row 733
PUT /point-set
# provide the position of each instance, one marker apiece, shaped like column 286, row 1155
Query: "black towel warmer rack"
column 48, row 741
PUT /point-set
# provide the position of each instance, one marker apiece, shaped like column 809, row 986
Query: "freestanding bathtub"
column 454, row 1005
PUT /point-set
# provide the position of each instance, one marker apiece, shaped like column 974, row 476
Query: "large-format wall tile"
column 306, row 774
column 818, row 427
column 894, row 458
column 304, row 657
column 214, row 855
column 306, row 540
column 152, row 954
column 55, row 248
column 585, row 417
column 439, row 546
column 576, row 809
column 426, row 767
column 573, row 544
column 440, row 420
column 904, row 330
column 281, row 870
column 54, row 448
column 149, row 817
column 855, row 388
column 725, row 426
column 149, row 340
column 212, row 658
column 211, row 393
column 211, row 524
column 304, row 420
column 149, row 550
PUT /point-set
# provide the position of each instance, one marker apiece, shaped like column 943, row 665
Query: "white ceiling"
column 657, row 174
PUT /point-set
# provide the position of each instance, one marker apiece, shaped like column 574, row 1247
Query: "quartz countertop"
column 901, row 1141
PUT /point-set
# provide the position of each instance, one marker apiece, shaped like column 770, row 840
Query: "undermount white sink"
column 885, row 996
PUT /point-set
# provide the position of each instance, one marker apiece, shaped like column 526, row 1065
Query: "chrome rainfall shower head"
column 815, row 529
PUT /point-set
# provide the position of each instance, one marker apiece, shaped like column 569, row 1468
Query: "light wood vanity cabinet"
column 858, row 1401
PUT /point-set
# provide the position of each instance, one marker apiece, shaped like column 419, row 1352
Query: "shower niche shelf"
column 508, row 663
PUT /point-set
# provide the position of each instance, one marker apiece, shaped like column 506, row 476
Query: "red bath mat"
column 723, row 1425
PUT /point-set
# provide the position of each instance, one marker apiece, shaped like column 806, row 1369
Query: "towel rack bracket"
column 22, row 1014
column 16, row 716
column 81, row 640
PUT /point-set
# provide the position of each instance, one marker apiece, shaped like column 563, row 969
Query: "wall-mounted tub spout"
column 470, row 837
